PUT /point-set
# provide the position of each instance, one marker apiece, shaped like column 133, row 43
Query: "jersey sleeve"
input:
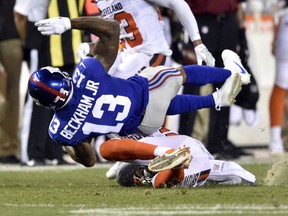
column 92, row 67
column 184, row 14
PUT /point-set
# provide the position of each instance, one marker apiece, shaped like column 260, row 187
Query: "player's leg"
column 164, row 85
column 277, row 107
column 201, row 75
column 196, row 172
column 228, row 172
column 276, row 116
column 168, row 178
column 128, row 149
column 225, row 96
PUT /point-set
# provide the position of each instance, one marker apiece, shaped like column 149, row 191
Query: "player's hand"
column 203, row 54
column 82, row 51
column 56, row 25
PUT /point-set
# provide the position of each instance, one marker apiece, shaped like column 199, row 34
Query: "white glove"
column 82, row 51
column 56, row 25
column 203, row 54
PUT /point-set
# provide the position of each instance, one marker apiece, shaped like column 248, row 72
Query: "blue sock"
column 202, row 75
column 187, row 103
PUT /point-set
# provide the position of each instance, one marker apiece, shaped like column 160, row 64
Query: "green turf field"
column 85, row 191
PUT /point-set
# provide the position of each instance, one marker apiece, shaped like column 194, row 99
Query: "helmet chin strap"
column 70, row 95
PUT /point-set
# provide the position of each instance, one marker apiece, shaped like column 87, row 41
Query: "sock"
column 276, row 144
column 276, row 133
column 187, row 103
column 277, row 106
column 202, row 75
column 161, row 150
column 168, row 178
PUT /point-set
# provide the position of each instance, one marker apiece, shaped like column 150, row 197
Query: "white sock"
column 160, row 150
column 276, row 133
column 276, row 144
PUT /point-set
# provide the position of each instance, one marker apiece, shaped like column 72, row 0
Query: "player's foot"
column 276, row 147
column 111, row 173
column 233, row 63
column 231, row 173
column 176, row 159
column 225, row 96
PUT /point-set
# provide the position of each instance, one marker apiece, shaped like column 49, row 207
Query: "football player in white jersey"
column 280, row 50
column 202, row 168
column 142, row 38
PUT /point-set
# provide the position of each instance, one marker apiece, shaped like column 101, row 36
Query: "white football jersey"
column 141, row 27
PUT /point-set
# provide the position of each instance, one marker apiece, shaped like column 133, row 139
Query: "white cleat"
column 233, row 63
column 225, row 96
column 111, row 173
column 176, row 159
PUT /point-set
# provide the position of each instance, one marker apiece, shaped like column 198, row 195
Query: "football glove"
column 83, row 51
column 56, row 25
column 203, row 54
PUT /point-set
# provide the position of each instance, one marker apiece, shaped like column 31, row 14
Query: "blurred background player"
column 25, row 14
column 57, row 50
column 277, row 98
column 10, row 61
column 219, row 23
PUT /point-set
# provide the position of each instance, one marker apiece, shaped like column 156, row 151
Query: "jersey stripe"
column 162, row 76
column 48, row 89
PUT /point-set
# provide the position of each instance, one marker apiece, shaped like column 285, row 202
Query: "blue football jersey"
column 100, row 104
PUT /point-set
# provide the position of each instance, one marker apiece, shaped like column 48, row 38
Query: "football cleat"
column 176, row 159
column 111, row 173
column 276, row 147
column 225, row 96
column 233, row 63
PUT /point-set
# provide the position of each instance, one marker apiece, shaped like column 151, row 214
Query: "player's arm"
column 185, row 16
column 108, row 31
column 187, row 19
column 83, row 154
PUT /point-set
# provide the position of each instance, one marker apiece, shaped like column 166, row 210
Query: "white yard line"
column 43, row 168
column 187, row 210
column 225, row 209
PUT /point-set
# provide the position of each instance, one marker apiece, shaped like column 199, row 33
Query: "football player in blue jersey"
column 93, row 103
